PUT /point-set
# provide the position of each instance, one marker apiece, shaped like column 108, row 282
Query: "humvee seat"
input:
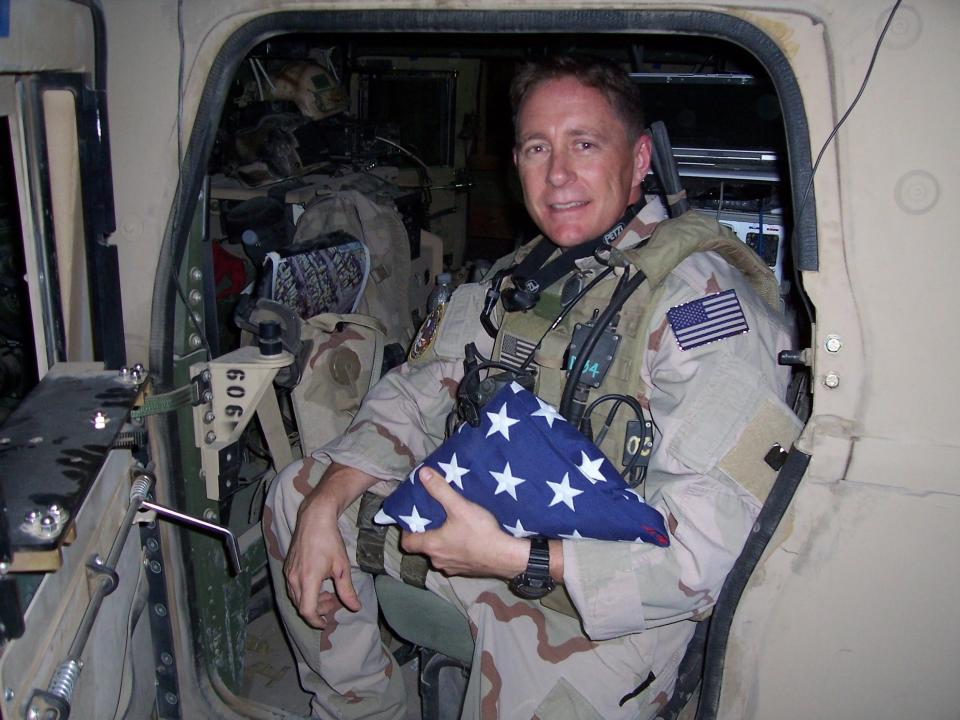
column 442, row 634
column 425, row 619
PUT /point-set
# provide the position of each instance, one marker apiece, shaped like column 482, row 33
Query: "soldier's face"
column 578, row 170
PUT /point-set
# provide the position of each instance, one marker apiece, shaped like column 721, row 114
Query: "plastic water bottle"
column 441, row 292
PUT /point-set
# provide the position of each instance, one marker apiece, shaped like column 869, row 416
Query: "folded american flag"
column 535, row 473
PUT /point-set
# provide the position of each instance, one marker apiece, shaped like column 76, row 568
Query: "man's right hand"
column 317, row 551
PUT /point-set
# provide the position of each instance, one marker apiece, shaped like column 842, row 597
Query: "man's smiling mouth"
column 568, row 205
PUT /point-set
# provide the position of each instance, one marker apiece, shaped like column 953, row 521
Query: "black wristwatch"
column 535, row 581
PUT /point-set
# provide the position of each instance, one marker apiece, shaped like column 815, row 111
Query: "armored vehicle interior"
column 410, row 133
column 421, row 124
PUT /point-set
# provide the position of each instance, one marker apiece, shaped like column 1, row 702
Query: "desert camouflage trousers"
column 529, row 661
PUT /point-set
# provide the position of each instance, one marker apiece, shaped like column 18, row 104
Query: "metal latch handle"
column 54, row 703
column 233, row 546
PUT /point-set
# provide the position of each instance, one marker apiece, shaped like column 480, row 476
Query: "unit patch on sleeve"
column 707, row 319
column 427, row 333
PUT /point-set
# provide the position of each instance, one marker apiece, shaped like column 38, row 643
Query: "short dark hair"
column 599, row 73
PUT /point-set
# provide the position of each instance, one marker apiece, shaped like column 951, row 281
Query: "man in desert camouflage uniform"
column 606, row 645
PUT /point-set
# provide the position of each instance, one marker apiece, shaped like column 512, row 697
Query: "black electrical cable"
column 634, row 405
column 180, row 72
column 564, row 312
column 609, row 419
column 471, row 378
column 620, row 296
column 485, row 364
column 488, row 364
column 833, row 133
column 784, row 487
column 621, row 399
column 853, row 104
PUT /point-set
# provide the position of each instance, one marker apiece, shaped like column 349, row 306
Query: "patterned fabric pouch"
column 318, row 280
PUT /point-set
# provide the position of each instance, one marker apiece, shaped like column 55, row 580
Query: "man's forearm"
column 514, row 561
column 340, row 486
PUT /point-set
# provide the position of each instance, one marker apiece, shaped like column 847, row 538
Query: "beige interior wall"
column 143, row 78
column 59, row 107
column 47, row 35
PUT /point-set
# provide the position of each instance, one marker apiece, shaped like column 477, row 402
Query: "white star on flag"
column 506, row 482
column 452, row 472
column 562, row 492
column 591, row 468
column 575, row 535
column 500, row 422
column 547, row 411
column 415, row 522
column 517, row 530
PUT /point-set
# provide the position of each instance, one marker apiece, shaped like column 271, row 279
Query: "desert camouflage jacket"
column 716, row 407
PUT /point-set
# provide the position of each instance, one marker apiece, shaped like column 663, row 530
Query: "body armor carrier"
column 671, row 242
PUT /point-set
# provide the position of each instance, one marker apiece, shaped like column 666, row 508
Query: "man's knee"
column 283, row 500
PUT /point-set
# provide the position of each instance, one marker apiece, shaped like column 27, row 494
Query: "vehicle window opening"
column 18, row 361
column 720, row 108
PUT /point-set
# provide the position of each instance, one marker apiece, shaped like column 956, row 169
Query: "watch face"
column 523, row 586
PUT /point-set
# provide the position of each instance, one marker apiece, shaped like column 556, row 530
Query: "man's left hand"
column 470, row 542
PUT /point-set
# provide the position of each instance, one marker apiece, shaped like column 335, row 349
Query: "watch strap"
column 538, row 564
column 535, row 581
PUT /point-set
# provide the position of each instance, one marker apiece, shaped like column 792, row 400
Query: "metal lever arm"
column 233, row 547
column 54, row 703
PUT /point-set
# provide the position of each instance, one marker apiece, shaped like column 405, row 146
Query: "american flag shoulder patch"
column 514, row 351
column 707, row 319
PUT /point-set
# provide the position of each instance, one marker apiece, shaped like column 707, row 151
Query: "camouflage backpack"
column 347, row 349
column 345, row 359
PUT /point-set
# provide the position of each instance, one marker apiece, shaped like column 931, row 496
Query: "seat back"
column 425, row 619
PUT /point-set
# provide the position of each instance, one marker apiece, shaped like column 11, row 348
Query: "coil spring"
column 140, row 487
column 137, row 438
column 65, row 679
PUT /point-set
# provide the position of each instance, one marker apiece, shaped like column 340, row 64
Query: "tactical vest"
column 672, row 241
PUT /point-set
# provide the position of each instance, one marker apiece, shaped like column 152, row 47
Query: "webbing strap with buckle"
column 371, row 539
column 167, row 402
column 413, row 570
